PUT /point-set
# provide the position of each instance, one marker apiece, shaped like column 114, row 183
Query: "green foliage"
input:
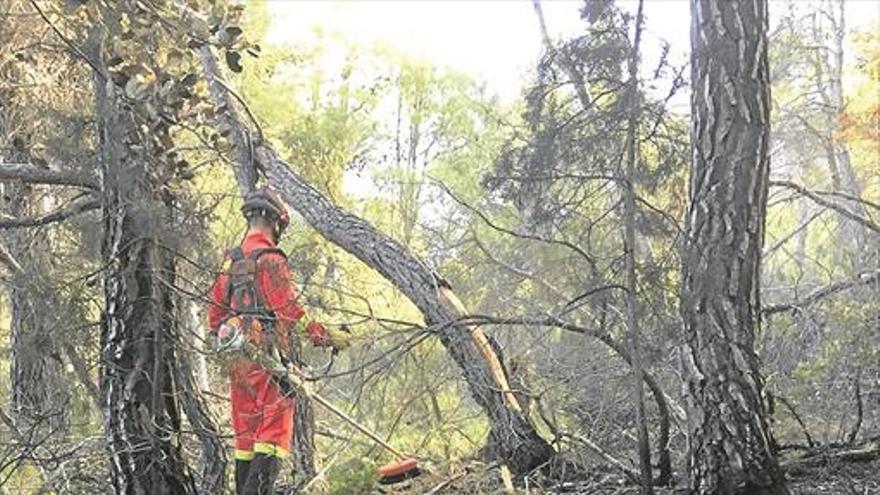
column 353, row 477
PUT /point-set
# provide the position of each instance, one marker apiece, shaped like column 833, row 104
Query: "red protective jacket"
column 279, row 292
column 261, row 416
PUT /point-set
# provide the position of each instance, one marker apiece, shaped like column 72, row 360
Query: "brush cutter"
column 290, row 379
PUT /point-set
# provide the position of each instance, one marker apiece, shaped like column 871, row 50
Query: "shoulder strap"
column 246, row 266
column 255, row 256
column 235, row 253
column 257, row 253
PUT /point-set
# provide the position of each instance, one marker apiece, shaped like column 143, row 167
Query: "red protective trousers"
column 262, row 417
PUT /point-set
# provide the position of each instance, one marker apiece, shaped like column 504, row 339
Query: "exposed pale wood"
column 484, row 346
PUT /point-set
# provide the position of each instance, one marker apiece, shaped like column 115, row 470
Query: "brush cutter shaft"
column 297, row 381
column 359, row 427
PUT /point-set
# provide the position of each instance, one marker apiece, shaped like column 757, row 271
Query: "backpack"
column 245, row 300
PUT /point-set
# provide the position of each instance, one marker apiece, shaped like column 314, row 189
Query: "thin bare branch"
column 61, row 214
column 33, row 174
column 507, row 231
column 866, row 222
column 858, row 280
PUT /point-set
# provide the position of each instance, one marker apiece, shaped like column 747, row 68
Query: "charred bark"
column 35, row 174
column 138, row 387
column 731, row 449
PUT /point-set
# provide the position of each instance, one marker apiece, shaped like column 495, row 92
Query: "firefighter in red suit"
column 255, row 300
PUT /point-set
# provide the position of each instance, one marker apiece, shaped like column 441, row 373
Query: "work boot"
column 261, row 475
column 242, row 468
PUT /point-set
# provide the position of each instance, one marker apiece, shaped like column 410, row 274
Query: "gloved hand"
column 230, row 337
column 338, row 339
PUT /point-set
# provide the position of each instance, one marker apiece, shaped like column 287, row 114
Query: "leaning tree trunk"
column 518, row 443
column 731, row 449
column 514, row 438
column 139, row 403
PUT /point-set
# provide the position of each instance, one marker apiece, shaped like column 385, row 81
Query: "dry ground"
column 823, row 474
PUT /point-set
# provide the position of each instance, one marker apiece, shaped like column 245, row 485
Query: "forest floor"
column 819, row 474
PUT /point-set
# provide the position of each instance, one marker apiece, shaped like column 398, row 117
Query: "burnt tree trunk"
column 139, row 403
column 516, row 440
column 38, row 394
column 731, row 449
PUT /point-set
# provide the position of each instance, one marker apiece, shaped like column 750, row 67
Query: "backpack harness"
column 244, row 299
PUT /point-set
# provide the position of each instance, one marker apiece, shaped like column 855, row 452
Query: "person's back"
column 255, row 301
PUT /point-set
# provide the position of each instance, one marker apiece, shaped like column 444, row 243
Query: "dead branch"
column 533, row 237
column 519, row 271
column 824, row 456
column 823, row 292
column 617, row 463
column 866, row 222
column 788, row 405
column 857, row 392
column 34, row 174
column 9, row 260
column 61, row 214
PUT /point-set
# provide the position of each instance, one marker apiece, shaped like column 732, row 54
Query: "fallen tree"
column 512, row 438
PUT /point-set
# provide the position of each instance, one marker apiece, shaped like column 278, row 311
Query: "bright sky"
column 495, row 41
